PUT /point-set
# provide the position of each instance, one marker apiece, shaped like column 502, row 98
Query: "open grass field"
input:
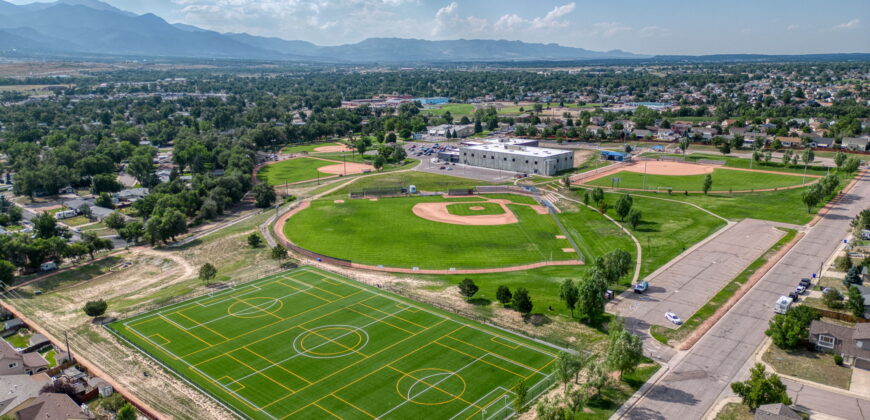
column 457, row 110
column 474, row 209
column 309, row 344
column 307, row 147
column 774, row 165
column 723, row 180
column 424, row 181
column 293, row 170
column 388, row 233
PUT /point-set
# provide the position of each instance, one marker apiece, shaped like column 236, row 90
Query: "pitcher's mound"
column 437, row 212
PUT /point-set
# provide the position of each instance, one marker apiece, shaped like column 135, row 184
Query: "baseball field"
column 723, row 179
column 309, row 344
column 305, row 169
column 430, row 232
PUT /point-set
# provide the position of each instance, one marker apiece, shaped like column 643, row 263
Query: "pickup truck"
column 641, row 287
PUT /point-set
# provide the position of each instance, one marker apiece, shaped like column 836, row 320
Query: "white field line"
column 472, row 405
column 200, row 324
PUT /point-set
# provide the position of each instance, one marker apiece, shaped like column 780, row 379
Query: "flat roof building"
column 522, row 159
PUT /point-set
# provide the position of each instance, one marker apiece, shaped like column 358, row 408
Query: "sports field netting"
column 309, row 344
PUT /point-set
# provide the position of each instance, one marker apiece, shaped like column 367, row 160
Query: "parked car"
column 800, row 290
column 794, row 296
column 805, row 282
column 670, row 316
column 641, row 287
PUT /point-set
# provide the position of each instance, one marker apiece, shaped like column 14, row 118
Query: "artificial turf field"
column 387, row 232
column 309, row 344
column 723, row 180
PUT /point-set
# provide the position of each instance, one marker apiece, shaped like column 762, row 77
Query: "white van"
column 782, row 304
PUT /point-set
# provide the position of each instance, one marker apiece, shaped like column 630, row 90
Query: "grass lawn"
column 735, row 411
column 671, row 336
column 293, row 170
column 18, row 340
column 723, row 180
column 310, row 344
column 475, row 209
column 515, row 198
column 424, row 181
column 735, row 162
column 457, row 110
column 616, row 395
column 307, row 147
column 387, row 232
column 82, row 273
column 76, row 221
column 810, row 365
column 51, row 357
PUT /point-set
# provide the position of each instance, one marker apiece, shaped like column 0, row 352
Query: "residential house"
column 14, row 363
column 16, row 389
column 51, row 406
column 853, row 343
column 131, row 195
column 707, row 133
column 776, row 412
column 856, row 143
column 642, row 133
column 11, row 326
column 821, row 142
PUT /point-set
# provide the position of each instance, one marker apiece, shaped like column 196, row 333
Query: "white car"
column 670, row 316
column 800, row 290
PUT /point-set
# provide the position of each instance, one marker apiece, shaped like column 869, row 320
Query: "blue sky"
column 642, row 26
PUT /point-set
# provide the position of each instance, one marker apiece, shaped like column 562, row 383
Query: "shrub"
column 96, row 308
column 843, row 263
column 838, row 360
column 833, row 299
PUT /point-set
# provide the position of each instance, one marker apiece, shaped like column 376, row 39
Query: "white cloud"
column 792, row 27
column 449, row 20
column 607, row 29
column 852, row 24
column 653, row 32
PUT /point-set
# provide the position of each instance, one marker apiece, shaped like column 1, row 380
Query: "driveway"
column 860, row 381
column 690, row 282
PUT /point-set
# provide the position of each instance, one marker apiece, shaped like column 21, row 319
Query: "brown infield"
column 332, row 149
column 437, row 212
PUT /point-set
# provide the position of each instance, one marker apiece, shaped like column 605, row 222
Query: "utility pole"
column 804, row 180
column 68, row 352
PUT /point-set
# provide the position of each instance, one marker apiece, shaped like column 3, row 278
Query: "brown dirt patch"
column 332, row 149
column 338, row 201
column 477, row 208
column 561, row 237
column 568, row 250
column 346, row 168
column 437, row 212
column 669, row 168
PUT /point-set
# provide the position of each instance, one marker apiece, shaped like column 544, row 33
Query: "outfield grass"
column 307, row 147
column 475, row 209
column 723, row 180
column 773, row 165
column 424, row 181
column 456, row 110
column 515, row 198
column 310, row 344
column 387, row 232
column 293, row 170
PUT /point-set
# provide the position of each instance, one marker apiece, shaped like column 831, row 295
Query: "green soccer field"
column 723, row 180
column 387, row 232
column 310, row 344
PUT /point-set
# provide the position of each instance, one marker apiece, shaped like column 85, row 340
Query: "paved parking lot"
column 687, row 284
column 465, row 171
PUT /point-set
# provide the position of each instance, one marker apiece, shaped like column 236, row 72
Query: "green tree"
column 614, row 265
column 503, row 294
column 207, row 273
column 521, row 392
column 264, row 195
column 832, row 298
column 851, row 165
column 568, row 294
column 808, row 156
column 279, row 252
column 761, row 389
column 634, row 218
column 94, row 243
column 115, row 221
column 104, row 200
column 521, row 301
column 95, row 308
column 590, row 293
column 840, row 159
column 567, row 366
column 467, row 288
column 623, row 206
column 855, row 302
column 132, row 232
column 684, row 144
column 127, row 412
column 708, row 183
column 254, row 240
column 784, row 331
column 45, row 226
column 725, row 148
column 7, row 273
column 624, row 349
column 811, row 196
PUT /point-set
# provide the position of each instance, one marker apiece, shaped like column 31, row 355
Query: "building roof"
column 7, row 351
column 33, row 360
column 520, row 150
column 862, row 332
column 15, row 389
column 37, row 339
column 775, row 412
column 845, row 343
column 51, row 406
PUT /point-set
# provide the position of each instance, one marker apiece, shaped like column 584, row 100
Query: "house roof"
column 51, row 406
column 15, row 389
column 37, row 339
column 862, row 332
column 34, row 360
column 7, row 351
column 775, row 412
column 845, row 343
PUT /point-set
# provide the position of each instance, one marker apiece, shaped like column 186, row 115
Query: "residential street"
column 696, row 379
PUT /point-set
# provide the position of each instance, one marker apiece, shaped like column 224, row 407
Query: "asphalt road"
column 697, row 378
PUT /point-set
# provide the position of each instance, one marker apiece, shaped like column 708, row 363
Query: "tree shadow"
column 673, row 395
column 538, row 319
column 642, row 413
column 479, row 301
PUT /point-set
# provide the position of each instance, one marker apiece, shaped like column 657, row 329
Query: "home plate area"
column 309, row 344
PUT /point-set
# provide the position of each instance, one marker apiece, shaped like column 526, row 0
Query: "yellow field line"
column 169, row 321
column 488, row 351
column 148, row 339
column 330, row 412
column 403, row 319
column 201, row 325
column 479, row 409
column 480, row 358
column 357, row 408
column 274, row 364
column 225, row 390
column 262, row 374
column 254, row 307
column 493, row 339
column 309, row 285
column 332, row 341
column 456, row 397
column 385, row 322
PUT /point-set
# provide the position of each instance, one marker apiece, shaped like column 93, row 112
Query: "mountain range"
column 70, row 27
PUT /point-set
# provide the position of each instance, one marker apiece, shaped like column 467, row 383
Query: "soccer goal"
column 499, row 409
column 664, row 189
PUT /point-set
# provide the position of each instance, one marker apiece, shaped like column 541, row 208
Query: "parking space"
column 687, row 284
column 464, row 171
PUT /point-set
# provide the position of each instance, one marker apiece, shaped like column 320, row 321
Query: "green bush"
column 843, row 263
column 838, row 360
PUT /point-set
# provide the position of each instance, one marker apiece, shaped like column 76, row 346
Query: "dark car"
column 805, row 282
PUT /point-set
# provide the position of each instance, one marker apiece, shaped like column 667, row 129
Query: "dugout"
column 615, row 156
